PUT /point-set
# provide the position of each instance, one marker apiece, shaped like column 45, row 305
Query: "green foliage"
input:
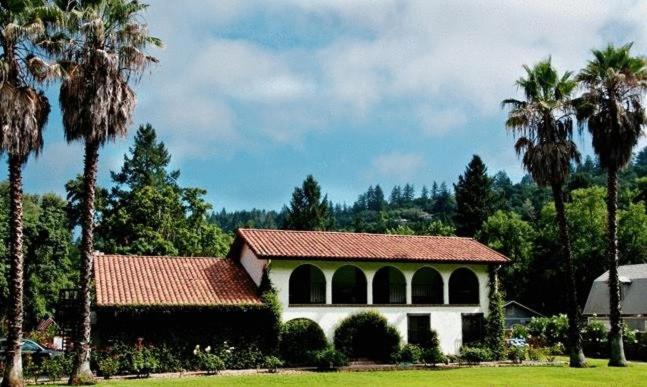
column 433, row 356
column 207, row 361
column 299, row 338
column 330, row 358
column 519, row 332
column 548, row 331
column 409, row 353
column 495, row 322
column 108, row 366
column 272, row 363
column 147, row 212
column 144, row 362
column 367, row 335
column 308, row 211
column 475, row 355
column 48, row 249
column 536, row 353
column 517, row 353
column 473, row 198
column 56, row 367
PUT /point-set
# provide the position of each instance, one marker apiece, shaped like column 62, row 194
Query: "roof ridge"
column 157, row 256
column 353, row 233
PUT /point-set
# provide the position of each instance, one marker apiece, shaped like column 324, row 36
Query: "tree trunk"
column 575, row 352
column 13, row 364
column 81, row 373
column 617, row 352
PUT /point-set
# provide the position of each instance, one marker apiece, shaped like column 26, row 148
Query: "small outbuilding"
column 633, row 297
column 517, row 313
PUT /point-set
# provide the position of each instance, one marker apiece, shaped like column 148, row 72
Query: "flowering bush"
column 272, row 363
column 209, row 362
column 517, row 353
column 547, row 331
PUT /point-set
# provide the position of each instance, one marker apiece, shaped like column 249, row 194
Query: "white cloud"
column 437, row 122
column 397, row 165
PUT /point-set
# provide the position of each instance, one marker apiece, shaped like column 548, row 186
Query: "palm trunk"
column 617, row 352
column 81, row 373
column 575, row 352
column 13, row 364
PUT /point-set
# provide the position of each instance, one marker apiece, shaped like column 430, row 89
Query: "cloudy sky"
column 251, row 96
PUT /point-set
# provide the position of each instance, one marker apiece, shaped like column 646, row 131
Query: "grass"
column 597, row 374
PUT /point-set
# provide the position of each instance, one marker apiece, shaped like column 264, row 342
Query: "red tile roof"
column 281, row 244
column 151, row 280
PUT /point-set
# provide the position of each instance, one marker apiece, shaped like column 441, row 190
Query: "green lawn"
column 597, row 374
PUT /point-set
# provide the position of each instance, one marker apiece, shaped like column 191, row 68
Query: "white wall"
column 254, row 266
column 445, row 319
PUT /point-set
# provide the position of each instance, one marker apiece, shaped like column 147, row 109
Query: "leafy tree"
column 473, row 198
column 23, row 113
column 103, row 50
column 401, row 230
column 640, row 164
column 544, row 125
column 632, row 234
column 510, row 235
column 438, row 228
column 308, row 211
column 148, row 212
column 612, row 109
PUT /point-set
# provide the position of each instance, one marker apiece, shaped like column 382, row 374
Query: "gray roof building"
column 633, row 279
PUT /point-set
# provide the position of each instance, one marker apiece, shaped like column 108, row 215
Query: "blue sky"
column 251, row 96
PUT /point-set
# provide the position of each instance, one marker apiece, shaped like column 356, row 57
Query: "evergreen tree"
column 379, row 203
column 640, row 163
column 444, row 204
column 396, row 196
column 408, row 194
column 473, row 198
column 308, row 211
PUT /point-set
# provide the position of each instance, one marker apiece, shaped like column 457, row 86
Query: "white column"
column 446, row 288
column 328, row 274
column 369, row 286
column 408, row 277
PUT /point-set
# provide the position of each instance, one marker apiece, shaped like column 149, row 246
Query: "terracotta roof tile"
column 152, row 280
column 325, row 245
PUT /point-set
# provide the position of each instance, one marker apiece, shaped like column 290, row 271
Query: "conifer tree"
column 473, row 198
column 308, row 211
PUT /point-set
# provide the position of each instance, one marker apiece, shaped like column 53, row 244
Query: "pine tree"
column 308, row 211
column 396, row 196
column 473, row 198
column 444, row 204
column 408, row 194
column 379, row 202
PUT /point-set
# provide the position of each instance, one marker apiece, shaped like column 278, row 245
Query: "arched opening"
column 463, row 287
column 349, row 286
column 307, row 285
column 389, row 286
column 427, row 287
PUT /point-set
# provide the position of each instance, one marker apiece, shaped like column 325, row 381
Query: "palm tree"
column 544, row 124
column 104, row 49
column 23, row 115
column 611, row 107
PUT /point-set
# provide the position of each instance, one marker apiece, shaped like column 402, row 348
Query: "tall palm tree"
column 23, row 115
column 543, row 123
column 612, row 108
column 104, row 50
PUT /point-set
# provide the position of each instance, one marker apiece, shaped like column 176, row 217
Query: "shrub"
column 553, row 351
column 272, row 363
column 108, row 366
column 519, row 332
column 143, row 362
column 169, row 359
column 595, row 338
column 546, row 331
column 474, row 355
column 367, row 335
column 299, row 339
column 410, row 353
column 517, row 353
column 433, row 356
column 209, row 362
column 330, row 358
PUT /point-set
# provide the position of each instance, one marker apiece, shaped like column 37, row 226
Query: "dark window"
column 349, row 286
column 473, row 327
column 463, row 287
column 307, row 286
column 389, row 286
column 418, row 328
column 427, row 287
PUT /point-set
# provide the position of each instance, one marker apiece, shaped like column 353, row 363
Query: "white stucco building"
column 416, row 282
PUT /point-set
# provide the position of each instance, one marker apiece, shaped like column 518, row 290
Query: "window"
column 463, row 287
column 349, row 286
column 307, row 286
column 427, row 287
column 418, row 328
column 473, row 327
column 389, row 286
